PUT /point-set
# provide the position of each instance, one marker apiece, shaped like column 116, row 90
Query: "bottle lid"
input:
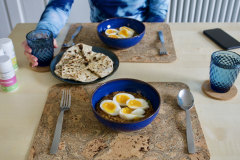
column 5, row 42
column 4, row 60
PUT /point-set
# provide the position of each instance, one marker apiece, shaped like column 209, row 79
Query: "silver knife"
column 70, row 43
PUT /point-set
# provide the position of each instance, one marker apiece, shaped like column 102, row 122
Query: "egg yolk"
column 134, row 103
column 109, row 31
column 122, row 98
column 126, row 28
column 113, row 36
column 127, row 110
column 109, row 107
column 123, row 32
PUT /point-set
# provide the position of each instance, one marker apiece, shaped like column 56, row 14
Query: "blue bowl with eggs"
column 127, row 85
column 114, row 23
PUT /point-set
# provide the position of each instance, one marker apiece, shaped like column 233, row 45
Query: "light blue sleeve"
column 55, row 16
column 157, row 10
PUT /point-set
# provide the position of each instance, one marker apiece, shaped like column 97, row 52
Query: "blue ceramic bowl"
column 123, row 43
column 127, row 85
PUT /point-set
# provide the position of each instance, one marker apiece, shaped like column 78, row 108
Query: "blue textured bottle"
column 41, row 43
column 224, row 69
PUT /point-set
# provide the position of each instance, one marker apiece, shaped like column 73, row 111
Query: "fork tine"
column 69, row 104
column 62, row 99
column 66, row 98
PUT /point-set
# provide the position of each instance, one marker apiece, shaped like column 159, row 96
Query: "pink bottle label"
column 8, row 82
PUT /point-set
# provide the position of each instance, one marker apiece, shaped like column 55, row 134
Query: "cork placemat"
column 146, row 51
column 84, row 137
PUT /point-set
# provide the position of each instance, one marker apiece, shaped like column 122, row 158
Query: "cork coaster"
column 84, row 137
column 39, row 69
column 219, row 96
column 146, row 51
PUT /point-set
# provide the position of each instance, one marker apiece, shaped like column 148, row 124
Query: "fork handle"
column 57, row 134
column 161, row 37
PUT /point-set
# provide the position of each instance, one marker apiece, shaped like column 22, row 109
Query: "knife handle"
column 161, row 37
column 57, row 134
column 76, row 32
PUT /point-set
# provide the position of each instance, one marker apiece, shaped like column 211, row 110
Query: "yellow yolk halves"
column 110, row 107
column 122, row 98
column 127, row 110
column 134, row 102
column 130, row 114
column 109, row 32
column 137, row 103
column 114, row 36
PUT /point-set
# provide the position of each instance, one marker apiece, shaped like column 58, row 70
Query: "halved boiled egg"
column 109, row 32
column 130, row 114
column 122, row 98
column 129, row 29
column 137, row 103
column 126, row 32
column 114, row 36
column 110, row 107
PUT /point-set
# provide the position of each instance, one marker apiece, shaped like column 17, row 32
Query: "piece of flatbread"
column 102, row 66
column 73, row 67
column 75, row 50
column 58, row 72
column 86, row 76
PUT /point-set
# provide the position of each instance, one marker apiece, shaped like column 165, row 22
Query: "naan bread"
column 75, row 50
column 80, row 63
column 58, row 72
column 102, row 67
column 86, row 76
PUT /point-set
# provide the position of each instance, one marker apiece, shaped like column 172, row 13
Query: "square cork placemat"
column 84, row 137
column 146, row 51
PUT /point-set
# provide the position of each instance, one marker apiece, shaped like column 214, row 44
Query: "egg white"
column 144, row 104
column 116, row 110
column 122, row 104
column 114, row 32
column 138, row 113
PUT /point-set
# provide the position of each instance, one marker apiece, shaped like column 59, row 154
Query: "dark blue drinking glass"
column 224, row 69
column 41, row 43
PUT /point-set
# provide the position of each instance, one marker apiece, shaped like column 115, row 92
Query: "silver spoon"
column 70, row 43
column 185, row 101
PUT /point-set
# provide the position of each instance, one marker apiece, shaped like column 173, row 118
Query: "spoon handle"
column 190, row 140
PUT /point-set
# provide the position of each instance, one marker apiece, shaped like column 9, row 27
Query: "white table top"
column 20, row 111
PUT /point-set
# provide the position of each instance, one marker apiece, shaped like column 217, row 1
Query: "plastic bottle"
column 8, row 49
column 8, row 78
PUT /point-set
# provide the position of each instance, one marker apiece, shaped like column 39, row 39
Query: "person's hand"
column 28, row 50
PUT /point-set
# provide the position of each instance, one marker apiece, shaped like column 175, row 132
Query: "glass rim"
column 51, row 34
column 225, row 66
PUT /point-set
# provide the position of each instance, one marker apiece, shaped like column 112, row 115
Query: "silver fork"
column 163, row 50
column 65, row 105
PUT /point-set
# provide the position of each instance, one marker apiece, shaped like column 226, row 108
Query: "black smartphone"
column 222, row 39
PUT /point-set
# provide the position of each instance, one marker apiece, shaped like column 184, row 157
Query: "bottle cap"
column 5, row 42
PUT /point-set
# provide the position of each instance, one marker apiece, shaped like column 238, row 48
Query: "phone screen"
column 222, row 39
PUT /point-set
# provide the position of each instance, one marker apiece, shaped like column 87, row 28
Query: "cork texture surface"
column 84, row 137
column 146, row 51
column 206, row 87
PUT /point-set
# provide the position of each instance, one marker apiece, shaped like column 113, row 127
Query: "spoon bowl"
column 185, row 99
